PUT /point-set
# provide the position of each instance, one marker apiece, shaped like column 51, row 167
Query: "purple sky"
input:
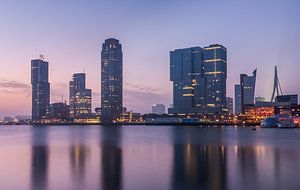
column 257, row 34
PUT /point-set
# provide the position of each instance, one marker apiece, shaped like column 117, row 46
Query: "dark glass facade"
column 287, row 99
column 58, row 111
column 247, row 90
column 80, row 98
column 111, row 80
column 199, row 80
column 40, row 88
column 229, row 105
column 237, row 99
column 215, row 74
column 186, row 73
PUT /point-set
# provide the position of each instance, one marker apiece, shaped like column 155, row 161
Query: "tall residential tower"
column 111, row 80
column 40, row 88
column 199, row 80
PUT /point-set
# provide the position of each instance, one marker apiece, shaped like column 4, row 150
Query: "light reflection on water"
column 152, row 157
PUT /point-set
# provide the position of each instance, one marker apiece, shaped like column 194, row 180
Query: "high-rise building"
column 40, row 88
column 247, row 90
column 229, row 105
column 158, row 109
column 111, row 81
column 215, row 74
column 80, row 98
column 199, row 80
column 186, row 73
column 237, row 99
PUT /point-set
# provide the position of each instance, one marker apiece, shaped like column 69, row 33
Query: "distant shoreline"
column 147, row 124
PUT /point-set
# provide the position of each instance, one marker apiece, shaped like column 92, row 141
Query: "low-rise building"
column 158, row 109
column 257, row 114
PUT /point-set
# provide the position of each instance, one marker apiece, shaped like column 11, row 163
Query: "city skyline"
column 68, row 51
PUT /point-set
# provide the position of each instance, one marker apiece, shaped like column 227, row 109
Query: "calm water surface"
column 148, row 158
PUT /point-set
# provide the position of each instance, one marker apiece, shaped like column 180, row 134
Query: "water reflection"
column 198, row 166
column 79, row 153
column 111, row 160
column 39, row 158
column 189, row 158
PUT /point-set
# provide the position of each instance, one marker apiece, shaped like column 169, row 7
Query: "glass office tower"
column 247, row 84
column 80, row 98
column 199, row 80
column 40, row 88
column 215, row 75
column 111, row 80
column 186, row 73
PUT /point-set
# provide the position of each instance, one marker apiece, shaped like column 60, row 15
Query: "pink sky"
column 70, row 36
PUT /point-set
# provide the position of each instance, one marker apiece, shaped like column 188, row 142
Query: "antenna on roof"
column 42, row 57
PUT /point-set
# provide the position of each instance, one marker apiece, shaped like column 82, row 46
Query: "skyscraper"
column 40, row 88
column 247, row 90
column 237, row 99
column 215, row 74
column 199, row 80
column 186, row 73
column 80, row 97
column 111, row 80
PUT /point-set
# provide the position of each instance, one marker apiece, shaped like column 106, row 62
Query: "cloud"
column 139, row 87
column 14, row 87
column 7, row 84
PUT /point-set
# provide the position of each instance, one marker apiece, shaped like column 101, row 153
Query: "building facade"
column 290, row 110
column 199, row 79
column 111, row 80
column 260, row 113
column 58, row 111
column 287, row 99
column 80, row 98
column 215, row 74
column 237, row 99
column 247, row 90
column 229, row 105
column 40, row 88
column 186, row 73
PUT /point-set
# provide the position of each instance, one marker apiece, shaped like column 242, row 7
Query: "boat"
column 287, row 123
column 269, row 122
